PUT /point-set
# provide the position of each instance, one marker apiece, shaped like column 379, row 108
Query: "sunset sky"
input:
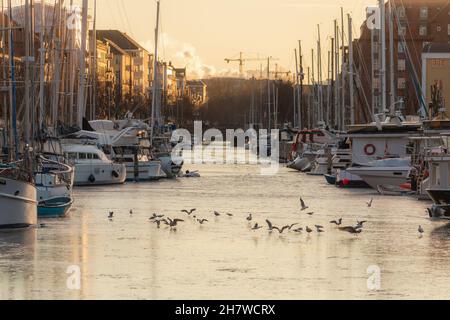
column 202, row 33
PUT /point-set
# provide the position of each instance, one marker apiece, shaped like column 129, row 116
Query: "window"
column 376, row 83
column 401, row 49
column 401, row 30
column 401, row 65
column 438, row 28
column 82, row 156
column 401, row 83
column 89, row 156
column 401, row 12
column 423, row 30
column 448, row 31
column 424, row 13
column 72, row 156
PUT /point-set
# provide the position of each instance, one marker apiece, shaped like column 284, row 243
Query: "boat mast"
column 391, row 59
column 383, row 55
column 4, row 77
column 342, row 72
column 350, row 67
column 300, row 90
column 82, row 79
column 268, row 94
column 94, row 85
column 41, row 68
column 155, row 116
column 12, row 87
column 26, row 116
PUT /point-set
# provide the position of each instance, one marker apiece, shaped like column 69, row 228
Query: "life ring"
column 91, row 178
column 370, row 150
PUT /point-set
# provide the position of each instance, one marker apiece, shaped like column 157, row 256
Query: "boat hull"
column 99, row 174
column 171, row 167
column 345, row 179
column 147, row 171
column 18, row 204
column 299, row 164
column 331, row 179
column 375, row 177
column 55, row 208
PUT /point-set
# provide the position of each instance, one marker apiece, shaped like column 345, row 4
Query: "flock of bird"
column 160, row 219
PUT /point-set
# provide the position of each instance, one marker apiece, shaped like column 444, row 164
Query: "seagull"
column 360, row 224
column 256, row 227
column 338, row 222
column 309, row 230
column 155, row 216
column 369, row 204
column 250, row 218
column 230, row 215
column 303, row 205
column 189, row 212
column 173, row 223
column 216, row 214
column 202, row 221
column 352, row 230
column 421, row 231
column 292, row 225
column 299, row 230
column 131, row 211
column 310, row 213
column 270, row 225
column 280, row 231
column 158, row 222
column 111, row 215
column 319, row 228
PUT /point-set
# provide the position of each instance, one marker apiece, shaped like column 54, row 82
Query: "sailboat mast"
column 300, row 89
column 350, row 68
column 41, row 68
column 4, row 76
column 26, row 116
column 383, row 55
column 12, row 87
column 155, row 116
column 82, row 80
column 391, row 58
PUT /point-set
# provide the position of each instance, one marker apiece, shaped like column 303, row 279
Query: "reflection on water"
column 129, row 258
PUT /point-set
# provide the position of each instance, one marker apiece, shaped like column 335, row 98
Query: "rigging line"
column 419, row 96
column 126, row 17
column 408, row 28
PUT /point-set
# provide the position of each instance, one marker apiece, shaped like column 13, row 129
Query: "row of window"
column 83, row 156
column 401, row 12
column 423, row 30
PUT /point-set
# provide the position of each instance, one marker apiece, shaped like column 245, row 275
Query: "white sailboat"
column 18, row 204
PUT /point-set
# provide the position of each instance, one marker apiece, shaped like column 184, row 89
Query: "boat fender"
column 115, row 174
column 370, row 150
column 91, row 178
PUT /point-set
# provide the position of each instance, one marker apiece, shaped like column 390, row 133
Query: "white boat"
column 388, row 172
column 299, row 164
column 17, row 199
column 92, row 167
column 128, row 142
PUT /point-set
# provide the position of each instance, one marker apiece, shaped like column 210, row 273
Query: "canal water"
column 130, row 258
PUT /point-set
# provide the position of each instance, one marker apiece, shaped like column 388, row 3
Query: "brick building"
column 416, row 24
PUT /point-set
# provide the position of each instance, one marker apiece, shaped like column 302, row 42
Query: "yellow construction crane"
column 242, row 61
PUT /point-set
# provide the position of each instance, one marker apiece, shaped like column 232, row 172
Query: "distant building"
column 197, row 92
column 141, row 66
column 417, row 23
